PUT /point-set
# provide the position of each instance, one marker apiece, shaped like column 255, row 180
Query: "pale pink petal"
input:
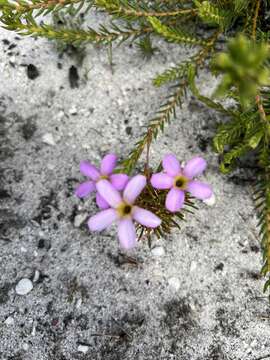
column 89, row 170
column 199, row 190
column 145, row 217
column 161, row 181
column 102, row 220
column 127, row 234
column 108, row 164
column 119, row 181
column 101, row 203
column 171, row 165
column 175, row 200
column 134, row 188
column 108, row 192
column 85, row 189
column 194, row 167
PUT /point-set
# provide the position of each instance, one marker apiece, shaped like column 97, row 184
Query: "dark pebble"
column 32, row 71
column 73, row 77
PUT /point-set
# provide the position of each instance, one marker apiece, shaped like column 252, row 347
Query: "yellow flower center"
column 180, row 182
column 124, row 209
column 104, row 177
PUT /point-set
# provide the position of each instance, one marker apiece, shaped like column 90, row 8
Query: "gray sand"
column 197, row 296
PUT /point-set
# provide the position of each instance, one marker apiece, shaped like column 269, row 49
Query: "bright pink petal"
column 175, row 200
column 194, row 167
column 171, row 165
column 85, row 189
column 102, row 220
column 127, row 234
column 145, row 217
column 101, row 203
column 108, row 164
column 199, row 190
column 89, row 170
column 161, row 181
column 134, row 188
column 108, row 192
column 119, row 181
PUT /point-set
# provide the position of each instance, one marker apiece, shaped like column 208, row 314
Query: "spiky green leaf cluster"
column 244, row 69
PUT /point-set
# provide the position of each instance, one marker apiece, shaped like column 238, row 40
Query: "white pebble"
column 25, row 346
column 9, row 321
column 78, row 303
column 24, row 286
column 48, row 139
column 158, row 251
column 79, row 219
column 36, row 276
column 210, row 201
column 174, row 283
column 83, row 348
column 73, row 110
column 193, row 266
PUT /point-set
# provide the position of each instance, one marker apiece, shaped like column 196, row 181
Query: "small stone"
column 73, row 110
column 36, row 276
column 79, row 219
column 174, row 283
column 210, row 201
column 78, row 303
column 24, row 286
column 83, row 348
column 32, row 71
column 9, row 321
column 193, row 266
column 158, row 251
column 23, row 249
column 25, row 346
column 60, row 115
column 48, row 139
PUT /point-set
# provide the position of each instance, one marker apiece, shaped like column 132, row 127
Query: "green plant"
column 244, row 67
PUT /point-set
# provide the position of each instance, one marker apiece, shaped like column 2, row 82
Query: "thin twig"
column 255, row 19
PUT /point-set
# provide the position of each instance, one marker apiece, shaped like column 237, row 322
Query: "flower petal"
column 145, row 217
column 102, row 220
column 108, row 164
column 85, row 189
column 89, row 170
column 108, row 192
column 127, row 234
column 175, row 200
column 101, row 203
column 171, row 165
column 194, row 167
column 161, row 181
column 119, row 181
column 199, row 190
column 134, row 188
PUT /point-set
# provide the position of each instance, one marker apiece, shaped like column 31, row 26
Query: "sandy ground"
column 195, row 295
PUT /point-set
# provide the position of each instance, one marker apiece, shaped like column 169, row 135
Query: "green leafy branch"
column 157, row 124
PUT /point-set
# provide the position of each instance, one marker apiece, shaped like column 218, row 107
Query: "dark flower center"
column 180, row 182
column 127, row 209
column 124, row 210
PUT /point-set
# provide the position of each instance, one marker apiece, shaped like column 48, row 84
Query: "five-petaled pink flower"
column 108, row 164
column 123, row 210
column 179, row 180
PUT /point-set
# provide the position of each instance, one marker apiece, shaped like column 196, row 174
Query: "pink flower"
column 123, row 211
column 108, row 164
column 179, row 180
